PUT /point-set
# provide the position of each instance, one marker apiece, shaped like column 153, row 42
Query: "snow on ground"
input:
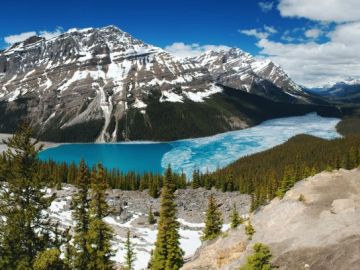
column 143, row 236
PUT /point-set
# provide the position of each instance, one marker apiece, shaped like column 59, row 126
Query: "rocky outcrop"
column 321, row 232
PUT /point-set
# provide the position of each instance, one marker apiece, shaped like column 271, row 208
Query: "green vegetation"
column 167, row 253
column 235, row 218
column 349, row 126
column 24, row 227
column 69, row 174
column 271, row 173
column 302, row 198
column 100, row 233
column 151, row 218
column 130, row 255
column 249, row 230
column 260, row 260
column 213, row 220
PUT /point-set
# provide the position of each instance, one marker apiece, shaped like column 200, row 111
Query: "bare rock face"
column 238, row 69
column 321, row 232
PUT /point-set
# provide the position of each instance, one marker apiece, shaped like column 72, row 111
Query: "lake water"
column 207, row 153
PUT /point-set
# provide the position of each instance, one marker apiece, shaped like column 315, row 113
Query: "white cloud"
column 23, row 36
column 259, row 33
column 313, row 33
column 270, row 29
column 266, row 6
column 182, row 50
column 51, row 34
column 321, row 10
column 19, row 37
column 315, row 64
column 255, row 33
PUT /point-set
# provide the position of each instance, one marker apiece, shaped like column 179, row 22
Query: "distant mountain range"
column 347, row 91
column 105, row 85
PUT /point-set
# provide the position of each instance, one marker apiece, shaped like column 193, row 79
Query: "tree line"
column 271, row 173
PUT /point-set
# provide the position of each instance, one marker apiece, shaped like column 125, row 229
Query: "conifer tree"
column 213, row 220
column 249, row 230
column 49, row 259
column 287, row 182
column 100, row 233
column 151, row 218
column 167, row 254
column 24, row 227
column 260, row 260
column 235, row 218
column 130, row 255
column 80, row 206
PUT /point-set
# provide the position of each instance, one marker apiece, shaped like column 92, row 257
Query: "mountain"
column 237, row 69
column 105, row 85
column 347, row 91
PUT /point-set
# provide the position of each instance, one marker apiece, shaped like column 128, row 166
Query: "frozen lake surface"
column 207, row 153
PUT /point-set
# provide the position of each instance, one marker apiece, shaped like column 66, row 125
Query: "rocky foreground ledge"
column 320, row 232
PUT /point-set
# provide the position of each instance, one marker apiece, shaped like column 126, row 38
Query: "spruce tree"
column 24, row 227
column 167, row 254
column 130, row 255
column 80, row 206
column 260, row 260
column 100, row 233
column 151, row 218
column 235, row 218
column 249, row 230
column 213, row 220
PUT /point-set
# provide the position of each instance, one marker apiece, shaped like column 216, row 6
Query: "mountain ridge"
column 95, row 78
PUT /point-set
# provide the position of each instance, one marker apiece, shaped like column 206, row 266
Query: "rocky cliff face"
column 321, row 232
column 93, row 84
column 237, row 69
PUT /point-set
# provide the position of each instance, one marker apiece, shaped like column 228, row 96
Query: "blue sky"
column 156, row 22
column 293, row 33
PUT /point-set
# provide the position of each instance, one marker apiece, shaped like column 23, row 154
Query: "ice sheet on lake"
column 212, row 152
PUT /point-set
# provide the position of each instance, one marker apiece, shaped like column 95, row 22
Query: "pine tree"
column 80, row 206
column 24, row 227
column 249, row 230
column 151, row 218
column 167, row 254
column 130, row 255
column 235, row 218
column 260, row 260
column 49, row 259
column 100, row 233
column 213, row 220
column 287, row 181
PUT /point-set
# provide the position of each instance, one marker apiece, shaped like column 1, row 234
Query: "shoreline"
column 47, row 145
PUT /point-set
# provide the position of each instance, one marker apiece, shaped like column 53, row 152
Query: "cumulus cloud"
column 259, row 33
column 321, row 10
column 11, row 39
column 315, row 64
column 266, row 6
column 255, row 33
column 182, row 50
column 19, row 37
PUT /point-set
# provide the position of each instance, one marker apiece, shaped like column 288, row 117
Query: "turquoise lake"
column 207, row 153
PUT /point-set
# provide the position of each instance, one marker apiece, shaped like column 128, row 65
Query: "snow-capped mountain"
column 238, row 69
column 105, row 85
column 344, row 91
